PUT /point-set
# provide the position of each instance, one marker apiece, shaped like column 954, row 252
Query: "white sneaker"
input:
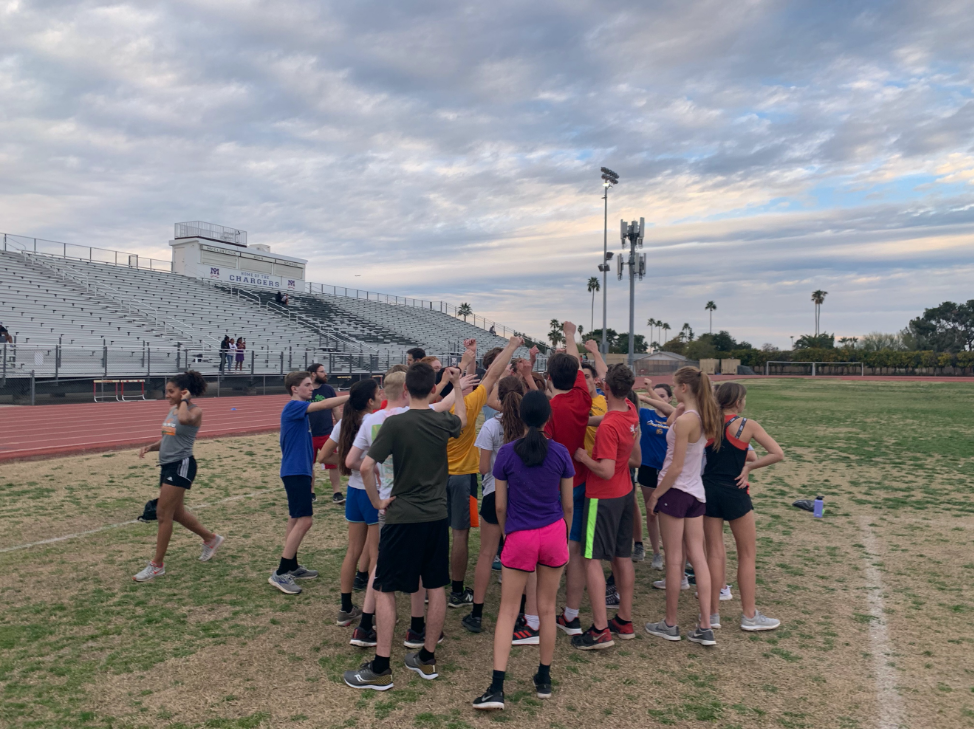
column 661, row 584
column 758, row 622
column 150, row 571
column 657, row 563
column 725, row 593
column 210, row 549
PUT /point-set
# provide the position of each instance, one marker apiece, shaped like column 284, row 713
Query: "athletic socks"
column 544, row 673
column 524, row 599
column 478, row 610
column 533, row 621
column 366, row 622
column 570, row 614
column 458, row 586
column 346, row 602
column 621, row 621
column 425, row 655
column 287, row 565
column 497, row 681
column 361, row 576
column 417, row 625
column 380, row 663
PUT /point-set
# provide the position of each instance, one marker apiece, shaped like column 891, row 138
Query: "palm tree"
column 464, row 310
column 651, row 323
column 593, row 286
column 711, row 307
column 555, row 334
column 818, row 298
column 686, row 333
column 665, row 328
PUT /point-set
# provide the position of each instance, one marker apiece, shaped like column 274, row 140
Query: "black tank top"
column 725, row 465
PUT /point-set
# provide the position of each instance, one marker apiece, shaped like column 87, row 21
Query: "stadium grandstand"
column 83, row 312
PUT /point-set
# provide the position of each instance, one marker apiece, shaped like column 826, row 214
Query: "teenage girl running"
column 178, row 469
column 533, row 499
column 729, row 499
column 680, row 500
column 362, row 517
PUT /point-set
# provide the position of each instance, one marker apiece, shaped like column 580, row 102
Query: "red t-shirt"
column 614, row 439
column 568, row 421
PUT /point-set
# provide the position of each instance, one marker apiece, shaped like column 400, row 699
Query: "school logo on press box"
column 214, row 272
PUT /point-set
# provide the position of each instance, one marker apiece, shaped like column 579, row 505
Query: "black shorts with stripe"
column 178, row 473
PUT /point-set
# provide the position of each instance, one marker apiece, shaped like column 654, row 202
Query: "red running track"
column 57, row 430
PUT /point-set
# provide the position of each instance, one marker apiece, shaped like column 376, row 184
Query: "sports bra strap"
column 741, row 428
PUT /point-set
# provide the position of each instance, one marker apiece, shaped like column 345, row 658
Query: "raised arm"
column 327, row 403
column 661, row 405
column 499, row 366
column 571, row 346
column 592, row 347
column 459, row 405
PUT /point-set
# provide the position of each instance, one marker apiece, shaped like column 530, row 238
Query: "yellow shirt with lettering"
column 463, row 457
column 599, row 407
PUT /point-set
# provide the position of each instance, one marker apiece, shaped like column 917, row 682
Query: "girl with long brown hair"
column 680, row 500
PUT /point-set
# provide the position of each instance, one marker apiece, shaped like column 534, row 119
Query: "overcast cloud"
column 451, row 150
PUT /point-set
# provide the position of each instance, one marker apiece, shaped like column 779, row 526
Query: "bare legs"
column 357, row 535
column 575, row 580
column 673, row 531
column 170, row 509
column 490, row 537
column 746, row 540
column 296, row 529
column 512, row 587
column 652, row 522
column 459, row 554
column 637, row 519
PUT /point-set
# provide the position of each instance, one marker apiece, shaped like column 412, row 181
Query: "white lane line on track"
column 889, row 703
column 122, row 523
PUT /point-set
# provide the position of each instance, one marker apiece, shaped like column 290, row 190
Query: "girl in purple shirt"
column 533, row 499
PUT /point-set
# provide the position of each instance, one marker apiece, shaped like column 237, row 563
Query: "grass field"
column 213, row 645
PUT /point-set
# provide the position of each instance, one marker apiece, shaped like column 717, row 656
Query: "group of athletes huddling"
column 562, row 459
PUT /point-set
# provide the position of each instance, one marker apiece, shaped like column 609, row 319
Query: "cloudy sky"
column 451, row 150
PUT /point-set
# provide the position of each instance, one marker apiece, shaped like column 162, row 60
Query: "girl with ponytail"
column 503, row 428
column 533, row 502
column 362, row 517
column 680, row 499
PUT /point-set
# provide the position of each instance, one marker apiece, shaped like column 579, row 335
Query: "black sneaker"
column 418, row 640
column 337, row 498
column 474, row 625
column 460, row 599
column 360, row 583
column 569, row 627
column 542, row 687
column 489, row 700
column 314, row 497
column 593, row 640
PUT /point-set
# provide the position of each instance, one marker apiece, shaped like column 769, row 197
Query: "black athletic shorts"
column 488, row 511
column 298, row 490
column 410, row 551
column 648, row 477
column 178, row 473
column 607, row 527
column 727, row 503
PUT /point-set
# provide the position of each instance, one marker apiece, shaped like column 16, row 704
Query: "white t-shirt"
column 364, row 438
column 490, row 438
column 355, row 479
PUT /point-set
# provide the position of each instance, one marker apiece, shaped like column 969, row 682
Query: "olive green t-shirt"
column 416, row 440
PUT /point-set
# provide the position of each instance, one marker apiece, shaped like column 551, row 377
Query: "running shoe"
column 715, row 621
column 489, row 700
column 209, row 548
column 638, row 552
column 657, row 563
column 621, row 630
column 526, row 636
column 285, row 583
column 151, row 571
column 360, row 583
column 425, row 669
column 418, row 640
column 363, row 638
column 569, row 627
column 474, row 625
column 543, row 688
column 725, row 594
column 339, row 498
column 662, row 630
column 345, row 618
column 460, row 599
column 758, row 622
column 364, row 677
column 613, row 600
column 496, row 564
column 593, row 640
column 703, row 636
column 684, row 584
column 303, row 573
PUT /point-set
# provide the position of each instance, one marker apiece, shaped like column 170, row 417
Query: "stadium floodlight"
column 632, row 235
column 622, row 263
column 609, row 178
column 603, row 267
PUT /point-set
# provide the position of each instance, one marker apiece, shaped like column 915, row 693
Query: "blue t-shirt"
column 297, row 455
column 652, row 438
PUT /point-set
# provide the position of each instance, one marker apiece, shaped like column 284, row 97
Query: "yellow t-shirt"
column 463, row 457
column 599, row 407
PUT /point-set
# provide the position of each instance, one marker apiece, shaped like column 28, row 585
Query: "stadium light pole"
column 609, row 178
column 632, row 234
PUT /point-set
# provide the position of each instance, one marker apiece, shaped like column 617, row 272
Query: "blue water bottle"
column 819, row 506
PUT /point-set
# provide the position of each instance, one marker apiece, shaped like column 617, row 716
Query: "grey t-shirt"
column 177, row 439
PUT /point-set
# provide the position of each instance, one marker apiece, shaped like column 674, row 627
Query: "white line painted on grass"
column 121, row 524
column 889, row 703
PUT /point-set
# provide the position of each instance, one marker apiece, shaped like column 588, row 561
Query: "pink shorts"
column 547, row 546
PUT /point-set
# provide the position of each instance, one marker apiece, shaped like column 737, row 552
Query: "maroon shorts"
column 317, row 443
column 680, row 504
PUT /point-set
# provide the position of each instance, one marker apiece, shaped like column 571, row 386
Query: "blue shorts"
column 578, row 500
column 298, row 490
column 358, row 508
